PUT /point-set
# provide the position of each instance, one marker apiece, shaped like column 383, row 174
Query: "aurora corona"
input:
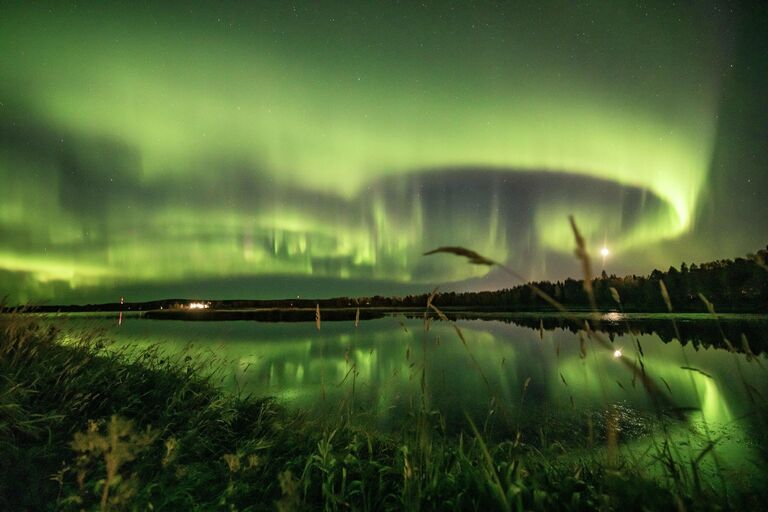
column 166, row 144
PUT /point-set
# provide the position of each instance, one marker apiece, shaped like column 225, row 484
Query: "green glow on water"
column 373, row 373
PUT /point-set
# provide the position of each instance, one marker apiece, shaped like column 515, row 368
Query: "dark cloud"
column 90, row 173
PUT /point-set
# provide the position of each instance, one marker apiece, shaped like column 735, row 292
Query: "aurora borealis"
column 304, row 148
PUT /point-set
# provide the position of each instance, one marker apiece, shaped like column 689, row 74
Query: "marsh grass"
column 85, row 425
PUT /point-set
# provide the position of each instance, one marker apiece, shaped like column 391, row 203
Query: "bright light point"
column 617, row 353
column 605, row 252
column 198, row 305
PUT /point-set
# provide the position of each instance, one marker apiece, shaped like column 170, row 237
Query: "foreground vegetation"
column 86, row 427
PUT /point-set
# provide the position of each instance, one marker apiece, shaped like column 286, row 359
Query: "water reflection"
column 745, row 333
column 386, row 367
column 528, row 376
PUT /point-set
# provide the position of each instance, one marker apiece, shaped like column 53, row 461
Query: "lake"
column 529, row 373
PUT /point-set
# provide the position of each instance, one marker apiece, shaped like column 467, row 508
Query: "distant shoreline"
column 293, row 314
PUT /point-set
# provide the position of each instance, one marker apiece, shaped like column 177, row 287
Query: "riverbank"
column 86, row 426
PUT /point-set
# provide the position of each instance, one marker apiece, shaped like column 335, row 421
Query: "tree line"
column 730, row 285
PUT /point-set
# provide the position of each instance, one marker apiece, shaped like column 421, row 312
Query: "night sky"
column 318, row 149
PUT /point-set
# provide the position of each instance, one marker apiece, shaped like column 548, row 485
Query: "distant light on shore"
column 198, row 305
column 617, row 353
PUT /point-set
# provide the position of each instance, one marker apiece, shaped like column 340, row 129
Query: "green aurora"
column 275, row 150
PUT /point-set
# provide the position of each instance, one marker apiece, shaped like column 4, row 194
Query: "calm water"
column 379, row 369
